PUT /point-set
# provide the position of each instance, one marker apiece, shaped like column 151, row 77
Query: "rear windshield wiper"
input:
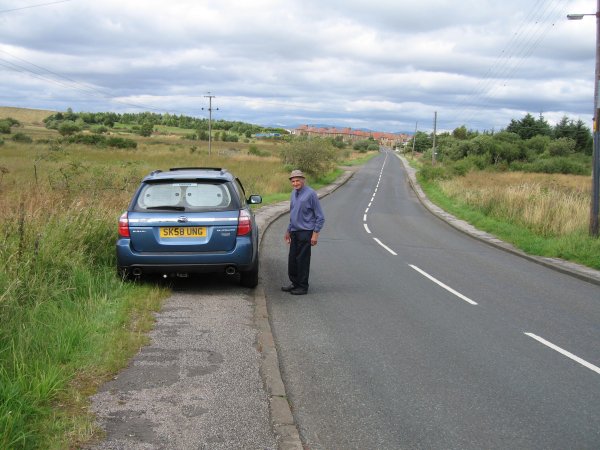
column 168, row 207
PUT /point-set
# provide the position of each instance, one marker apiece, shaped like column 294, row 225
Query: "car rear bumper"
column 242, row 257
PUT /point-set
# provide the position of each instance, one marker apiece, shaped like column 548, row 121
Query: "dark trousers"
column 299, row 258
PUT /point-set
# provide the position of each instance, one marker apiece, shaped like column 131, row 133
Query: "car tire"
column 249, row 278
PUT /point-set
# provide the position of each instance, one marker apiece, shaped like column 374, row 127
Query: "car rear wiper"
column 168, row 207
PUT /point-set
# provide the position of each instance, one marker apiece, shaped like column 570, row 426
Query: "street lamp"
column 596, row 151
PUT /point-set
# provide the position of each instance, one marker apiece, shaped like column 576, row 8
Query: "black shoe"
column 298, row 291
column 289, row 288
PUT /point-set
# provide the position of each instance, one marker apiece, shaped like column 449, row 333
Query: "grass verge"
column 68, row 322
column 576, row 246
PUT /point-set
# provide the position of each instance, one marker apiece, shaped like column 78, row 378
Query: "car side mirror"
column 255, row 199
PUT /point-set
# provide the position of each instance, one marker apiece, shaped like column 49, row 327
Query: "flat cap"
column 297, row 174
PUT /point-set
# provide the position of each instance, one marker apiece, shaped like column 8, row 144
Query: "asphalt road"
column 415, row 335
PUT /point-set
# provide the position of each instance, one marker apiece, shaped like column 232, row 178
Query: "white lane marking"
column 386, row 247
column 370, row 203
column 448, row 288
column 365, row 218
column 367, row 228
column 565, row 353
column 366, row 210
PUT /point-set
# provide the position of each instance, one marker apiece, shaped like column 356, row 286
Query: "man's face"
column 297, row 182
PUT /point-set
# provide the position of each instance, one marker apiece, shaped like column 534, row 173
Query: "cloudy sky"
column 386, row 65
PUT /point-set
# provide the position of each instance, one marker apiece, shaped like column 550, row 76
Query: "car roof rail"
column 216, row 169
column 154, row 172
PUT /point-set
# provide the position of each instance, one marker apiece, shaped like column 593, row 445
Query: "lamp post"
column 596, row 151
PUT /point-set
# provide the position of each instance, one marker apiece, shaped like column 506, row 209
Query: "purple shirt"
column 305, row 211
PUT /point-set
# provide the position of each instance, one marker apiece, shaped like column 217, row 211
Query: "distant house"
column 350, row 135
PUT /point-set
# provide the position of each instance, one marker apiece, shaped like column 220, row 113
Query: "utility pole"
column 434, row 132
column 210, row 97
column 596, row 152
column 594, row 204
column 412, row 155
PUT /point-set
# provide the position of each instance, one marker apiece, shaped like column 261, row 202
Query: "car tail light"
column 124, row 226
column 244, row 223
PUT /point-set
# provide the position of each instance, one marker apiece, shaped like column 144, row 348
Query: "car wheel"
column 249, row 278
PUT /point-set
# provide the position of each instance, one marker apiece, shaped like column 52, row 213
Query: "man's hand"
column 287, row 237
column 314, row 238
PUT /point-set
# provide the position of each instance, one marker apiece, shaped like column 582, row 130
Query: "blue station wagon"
column 189, row 220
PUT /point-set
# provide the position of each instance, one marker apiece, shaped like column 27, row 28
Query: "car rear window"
column 190, row 196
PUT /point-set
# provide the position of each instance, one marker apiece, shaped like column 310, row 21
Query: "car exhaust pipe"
column 230, row 270
column 137, row 271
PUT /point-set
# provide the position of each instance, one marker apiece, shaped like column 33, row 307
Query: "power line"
column 535, row 26
column 33, row 6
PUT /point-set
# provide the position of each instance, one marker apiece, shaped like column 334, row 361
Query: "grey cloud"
column 383, row 63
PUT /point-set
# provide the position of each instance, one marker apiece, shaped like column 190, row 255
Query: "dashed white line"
column 367, row 228
column 365, row 218
column 448, row 288
column 386, row 247
column 565, row 353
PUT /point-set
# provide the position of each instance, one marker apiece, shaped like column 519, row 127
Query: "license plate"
column 182, row 232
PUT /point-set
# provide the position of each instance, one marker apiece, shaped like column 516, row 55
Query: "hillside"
column 24, row 115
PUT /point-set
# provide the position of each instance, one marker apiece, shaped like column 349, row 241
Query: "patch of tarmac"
column 197, row 385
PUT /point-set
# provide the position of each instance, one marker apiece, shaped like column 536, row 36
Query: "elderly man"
column 306, row 221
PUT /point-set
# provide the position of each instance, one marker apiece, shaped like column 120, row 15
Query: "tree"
column 146, row 129
column 460, row 133
column 313, row 156
column 528, row 127
column 68, row 127
column 422, row 142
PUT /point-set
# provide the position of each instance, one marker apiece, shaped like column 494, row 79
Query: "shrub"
column 119, row 142
column 146, row 129
column 313, row 156
column 429, row 172
column 553, row 165
column 254, row 150
column 22, row 137
column 99, row 129
column 68, row 128
column 561, row 147
column 87, row 139
column 5, row 127
column 538, row 144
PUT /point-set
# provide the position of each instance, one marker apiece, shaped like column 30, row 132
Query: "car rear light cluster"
column 124, row 226
column 244, row 223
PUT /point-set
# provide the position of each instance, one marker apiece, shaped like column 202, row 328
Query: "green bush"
column 429, row 172
column 560, row 164
column 254, row 150
column 99, row 129
column 314, row 156
column 23, row 138
column 561, row 147
column 87, row 139
column 68, row 128
column 5, row 127
column 119, row 142
column 146, row 129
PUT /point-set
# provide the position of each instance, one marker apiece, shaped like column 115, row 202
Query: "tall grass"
column 548, row 205
column 62, row 310
column 546, row 215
